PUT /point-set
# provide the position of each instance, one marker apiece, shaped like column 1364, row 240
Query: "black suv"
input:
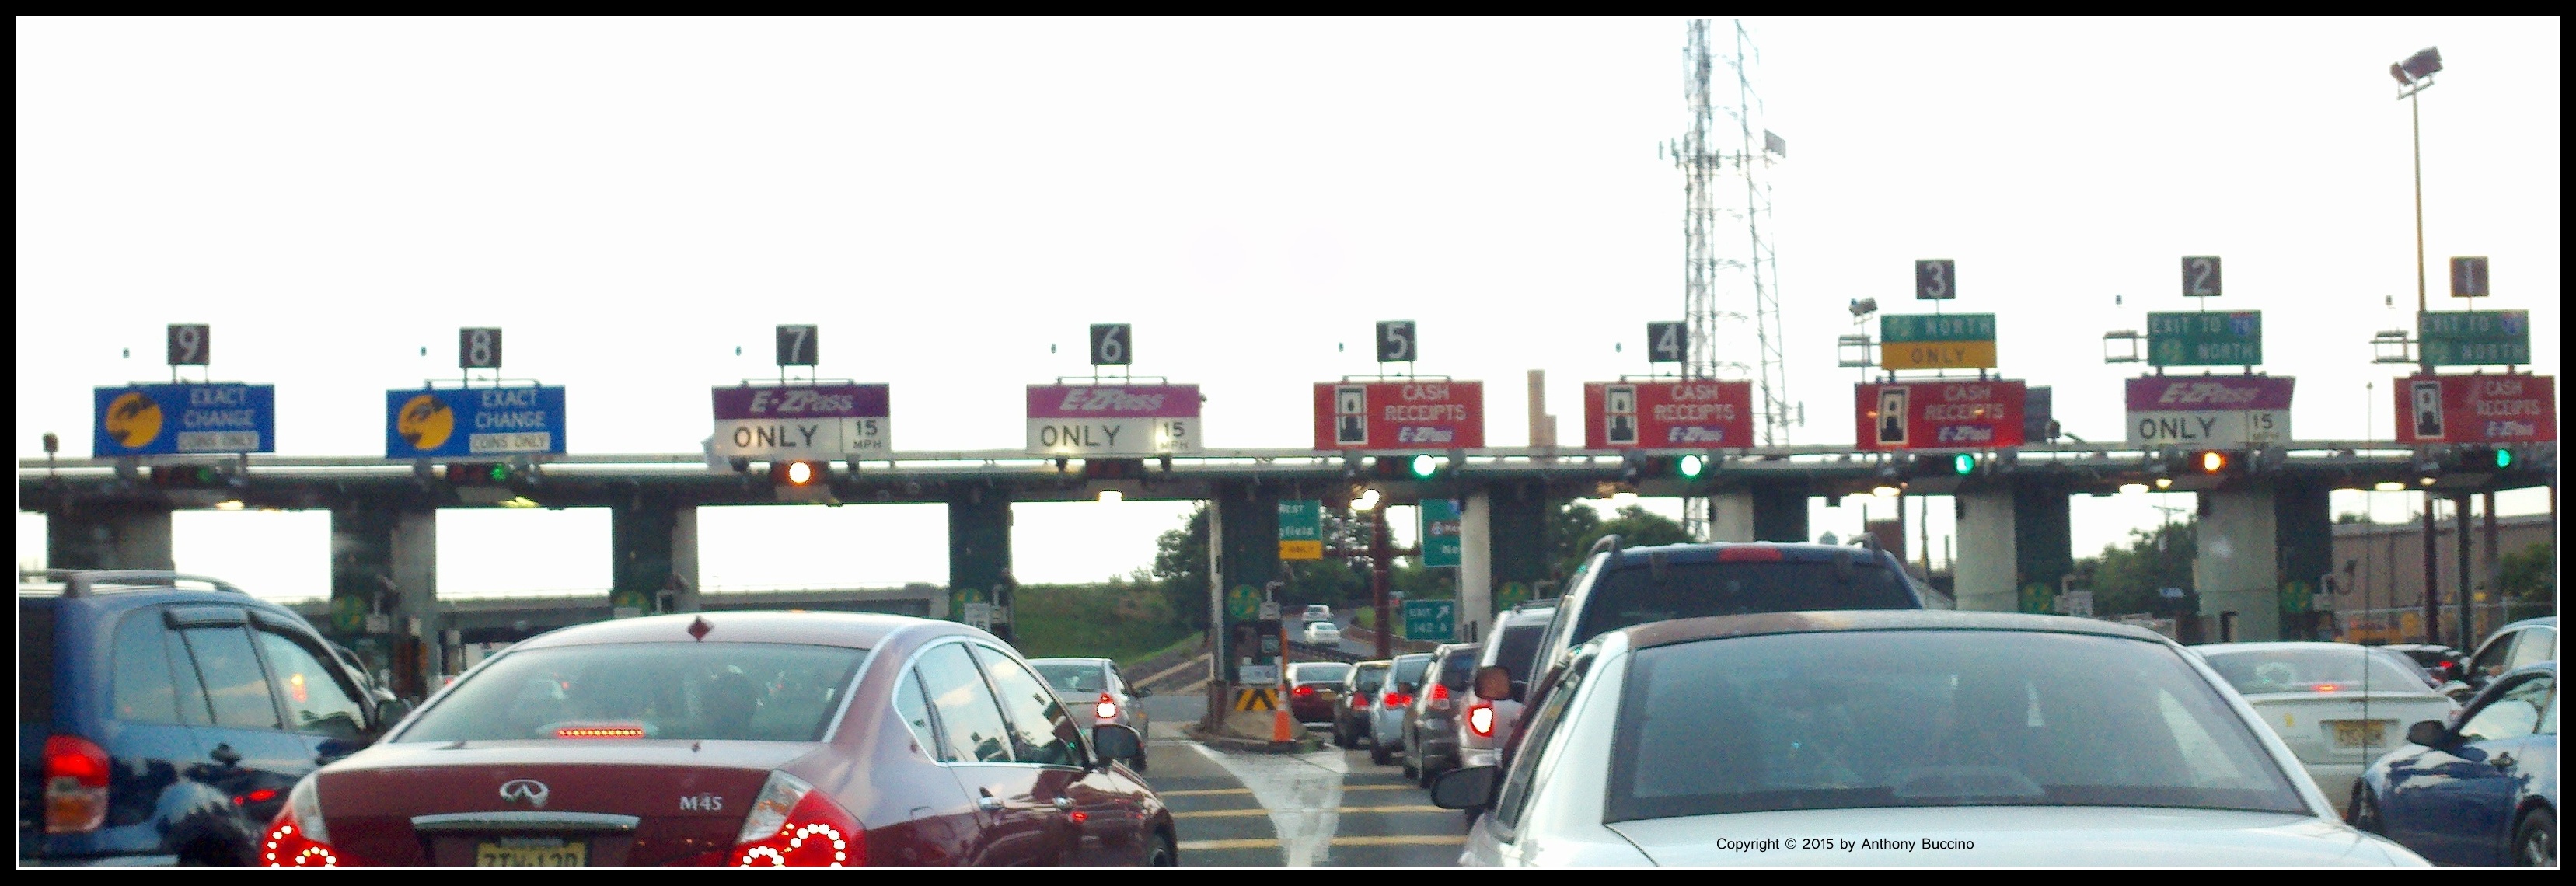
column 1617, row 588
column 163, row 717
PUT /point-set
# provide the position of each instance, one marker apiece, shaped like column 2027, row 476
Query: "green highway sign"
column 1440, row 546
column 1908, row 328
column 1430, row 619
column 1301, row 529
column 2205, row 338
column 2474, row 338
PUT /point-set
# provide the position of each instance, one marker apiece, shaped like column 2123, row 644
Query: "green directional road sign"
column 1301, row 529
column 348, row 613
column 2475, row 338
column 1936, row 341
column 1511, row 594
column 1430, row 619
column 1440, row 545
column 2205, row 338
column 1243, row 603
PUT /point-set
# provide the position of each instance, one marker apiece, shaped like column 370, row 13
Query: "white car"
column 1960, row 739
column 2338, row 706
column 1322, row 633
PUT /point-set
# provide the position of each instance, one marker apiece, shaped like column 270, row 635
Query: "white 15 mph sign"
column 823, row 437
column 1112, row 436
column 2210, row 428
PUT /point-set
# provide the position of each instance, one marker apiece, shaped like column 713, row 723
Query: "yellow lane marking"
column 1370, row 787
column 1346, row 810
column 1205, row 792
column 1222, row 813
column 1458, row 840
column 1204, row 845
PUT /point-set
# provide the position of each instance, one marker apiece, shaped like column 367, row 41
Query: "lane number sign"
column 1112, row 344
column 2468, row 276
column 1395, row 342
column 1667, row 342
column 478, row 347
column 2200, row 276
column 190, row 343
column 799, row 345
column 1936, row 279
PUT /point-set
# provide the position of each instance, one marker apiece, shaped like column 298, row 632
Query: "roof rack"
column 1609, row 542
column 84, row 582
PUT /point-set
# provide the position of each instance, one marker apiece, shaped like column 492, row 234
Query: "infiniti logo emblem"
column 524, row 790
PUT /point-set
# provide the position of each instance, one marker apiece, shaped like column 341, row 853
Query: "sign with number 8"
column 478, row 347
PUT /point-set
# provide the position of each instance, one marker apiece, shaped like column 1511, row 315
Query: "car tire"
column 2535, row 840
column 1164, row 853
column 1378, row 754
column 2364, row 813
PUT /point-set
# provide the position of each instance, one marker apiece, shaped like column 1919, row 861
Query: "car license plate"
column 2357, row 733
column 545, row 853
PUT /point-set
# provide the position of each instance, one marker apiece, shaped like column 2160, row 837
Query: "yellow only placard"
column 1308, row 549
column 1937, row 355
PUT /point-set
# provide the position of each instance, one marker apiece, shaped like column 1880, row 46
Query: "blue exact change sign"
column 448, row 422
column 175, row 419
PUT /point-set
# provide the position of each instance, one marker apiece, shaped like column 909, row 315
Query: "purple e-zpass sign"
column 817, row 421
column 1111, row 420
column 2209, row 410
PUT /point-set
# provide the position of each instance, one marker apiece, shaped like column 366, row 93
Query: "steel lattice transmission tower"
column 1716, row 274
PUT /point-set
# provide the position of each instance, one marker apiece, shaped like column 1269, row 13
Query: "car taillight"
column 1302, row 691
column 1106, row 708
column 1398, row 699
column 75, row 785
column 794, row 825
column 1359, row 699
column 1480, row 719
column 297, row 838
column 1749, row 554
column 1439, row 697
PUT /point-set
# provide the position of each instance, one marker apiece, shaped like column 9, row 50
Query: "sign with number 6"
column 1112, row 344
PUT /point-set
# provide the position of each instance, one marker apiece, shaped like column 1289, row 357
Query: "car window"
column 1408, row 670
column 1041, row 731
column 1367, row 679
column 697, row 690
column 1637, row 595
column 2514, row 714
column 2490, row 659
column 2537, row 644
column 315, row 701
column 1523, row 777
column 1864, row 719
column 1458, row 669
column 235, row 686
column 1518, row 647
column 914, row 709
column 144, row 691
column 970, row 721
column 1319, row 672
column 2259, row 670
column 1071, row 677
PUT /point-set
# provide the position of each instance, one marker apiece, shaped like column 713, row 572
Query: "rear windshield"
column 1929, row 718
column 1636, row 595
column 1408, row 670
column 1319, row 673
column 2313, row 669
column 1064, row 678
column 754, row 691
column 1459, row 669
column 35, row 661
column 1368, row 679
column 1519, row 648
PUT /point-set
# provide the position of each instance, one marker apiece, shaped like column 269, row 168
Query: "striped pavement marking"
column 1420, row 840
column 1344, row 810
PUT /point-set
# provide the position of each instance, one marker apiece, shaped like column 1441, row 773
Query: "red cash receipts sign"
column 1940, row 415
column 1667, row 414
column 2477, row 409
column 1400, row 415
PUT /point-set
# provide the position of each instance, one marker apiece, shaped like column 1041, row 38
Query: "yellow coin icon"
column 425, row 422
column 134, row 420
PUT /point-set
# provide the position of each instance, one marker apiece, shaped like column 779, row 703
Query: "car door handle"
column 224, row 754
column 1064, row 804
column 985, row 800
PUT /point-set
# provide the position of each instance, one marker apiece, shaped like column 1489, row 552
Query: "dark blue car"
column 2482, row 790
column 162, row 718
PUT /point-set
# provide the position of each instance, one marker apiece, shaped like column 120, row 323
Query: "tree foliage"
column 2126, row 579
column 2525, row 576
column 1576, row 526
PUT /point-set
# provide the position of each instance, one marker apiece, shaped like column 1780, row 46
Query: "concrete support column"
column 1516, row 530
column 1475, row 565
column 108, row 537
column 1984, row 575
column 2043, row 541
column 2303, row 517
column 2238, row 572
column 1780, row 512
column 979, row 553
column 1730, row 516
column 385, row 560
column 654, row 540
column 1243, row 535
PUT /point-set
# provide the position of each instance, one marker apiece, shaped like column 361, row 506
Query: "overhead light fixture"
column 1111, row 496
column 230, row 505
column 1366, row 501
column 520, row 502
column 2389, row 486
column 2132, row 488
column 1623, row 497
column 1884, row 491
column 2164, row 482
column 2424, row 481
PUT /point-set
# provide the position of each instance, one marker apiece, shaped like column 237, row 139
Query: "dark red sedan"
column 739, row 738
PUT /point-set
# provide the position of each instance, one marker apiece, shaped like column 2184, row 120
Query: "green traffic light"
column 1963, row 464
column 2504, row 458
column 500, row 473
column 1423, row 466
column 1691, row 466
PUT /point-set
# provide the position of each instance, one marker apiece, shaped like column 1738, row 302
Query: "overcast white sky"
column 633, row 199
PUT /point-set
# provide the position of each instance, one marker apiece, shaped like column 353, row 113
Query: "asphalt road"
column 1324, row 808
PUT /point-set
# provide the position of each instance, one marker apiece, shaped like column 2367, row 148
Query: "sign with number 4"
column 1667, row 342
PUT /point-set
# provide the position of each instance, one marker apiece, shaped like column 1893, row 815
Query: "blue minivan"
column 163, row 717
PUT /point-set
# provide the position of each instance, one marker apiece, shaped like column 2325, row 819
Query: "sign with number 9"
column 190, row 344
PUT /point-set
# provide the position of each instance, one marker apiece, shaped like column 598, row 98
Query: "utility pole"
column 1380, row 553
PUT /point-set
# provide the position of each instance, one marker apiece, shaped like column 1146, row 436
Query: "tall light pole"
column 2414, row 75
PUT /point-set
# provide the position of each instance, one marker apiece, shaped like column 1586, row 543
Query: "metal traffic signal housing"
column 802, row 481
column 490, row 482
column 190, row 477
column 1667, row 474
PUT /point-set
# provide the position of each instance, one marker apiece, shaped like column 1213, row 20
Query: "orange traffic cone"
column 1282, row 726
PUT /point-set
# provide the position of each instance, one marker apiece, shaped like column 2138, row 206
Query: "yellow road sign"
column 1263, row 699
column 1309, row 549
column 1937, row 355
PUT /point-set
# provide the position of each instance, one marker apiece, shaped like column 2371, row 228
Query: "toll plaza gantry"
column 2265, row 526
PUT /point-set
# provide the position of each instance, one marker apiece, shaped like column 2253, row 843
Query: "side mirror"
column 1494, row 683
column 1469, row 788
column 2429, row 733
column 1115, row 742
column 391, row 712
column 1140, row 692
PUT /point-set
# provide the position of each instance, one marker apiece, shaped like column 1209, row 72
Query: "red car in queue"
column 736, row 738
column 1313, row 689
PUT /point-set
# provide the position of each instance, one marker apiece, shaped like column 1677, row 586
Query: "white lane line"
column 1302, row 792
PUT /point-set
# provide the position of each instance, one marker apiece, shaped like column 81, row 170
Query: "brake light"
column 1480, row 719
column 600, row 732
column 297, row 838
column 1398, row 699
column 1106, row 708
column 1439, row 696
column 75, row 785
column 1359, row 700
column 1749, row 554
column 2327, row 687
column 1302, row 691
column 794, row 825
